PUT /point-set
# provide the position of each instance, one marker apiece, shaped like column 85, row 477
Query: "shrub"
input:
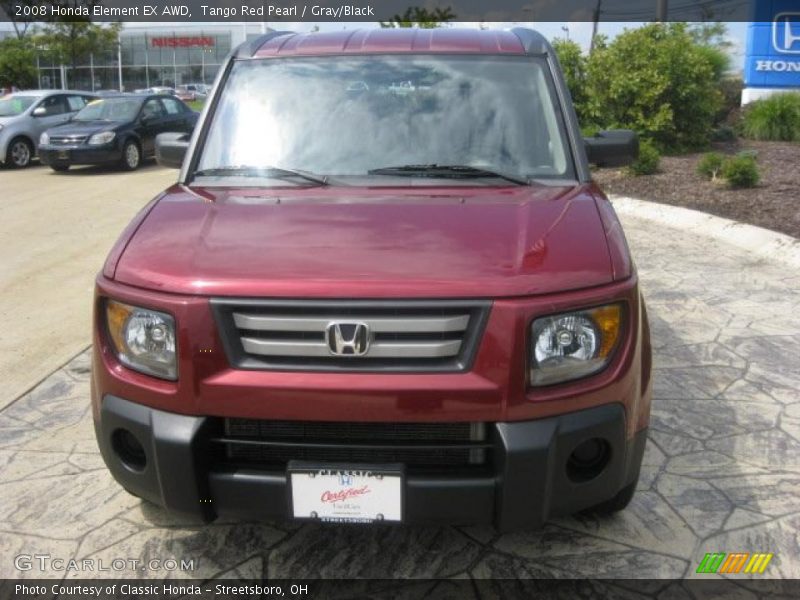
column 574, row 64
column 776, row 118
column 723, row 133
column 741, row 171
column 710, row 165
column 658, row 81
column 648, row 161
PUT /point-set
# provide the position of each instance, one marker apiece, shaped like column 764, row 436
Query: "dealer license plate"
column 346, row 493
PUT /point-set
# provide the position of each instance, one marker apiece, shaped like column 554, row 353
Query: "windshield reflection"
column 346, row 116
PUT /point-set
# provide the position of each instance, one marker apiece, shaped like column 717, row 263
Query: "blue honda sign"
column 773, row 48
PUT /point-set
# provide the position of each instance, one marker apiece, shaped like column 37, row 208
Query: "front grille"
column 422, row 447
column 351, row 336
column 67, row 140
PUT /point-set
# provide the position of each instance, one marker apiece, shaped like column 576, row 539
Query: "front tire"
column 19, row 153
column 131, row 156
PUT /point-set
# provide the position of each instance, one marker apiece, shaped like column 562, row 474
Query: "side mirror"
column 171, row 149
column 40, row 111
column 614, row 148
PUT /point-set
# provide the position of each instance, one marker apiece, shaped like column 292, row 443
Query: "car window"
column 110, row 109
column 152, row 109
column 173, row 106
column 11, row 106
column 76, row 102
column 54, row 105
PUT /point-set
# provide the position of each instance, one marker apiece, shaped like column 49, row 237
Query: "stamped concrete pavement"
column 56, row 229
column 721, row 470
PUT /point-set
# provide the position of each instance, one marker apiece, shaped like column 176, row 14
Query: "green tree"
column 71, row 42
column 423, row 18
column 574, row 64
column 713, row 39
column 17, row 63
column 658, row 81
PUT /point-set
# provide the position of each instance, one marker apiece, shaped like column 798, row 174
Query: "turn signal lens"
column 571, row 345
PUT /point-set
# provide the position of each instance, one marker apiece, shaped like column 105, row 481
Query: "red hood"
column 370, row 243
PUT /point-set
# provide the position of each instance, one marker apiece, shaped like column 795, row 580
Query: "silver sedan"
column 25, row 115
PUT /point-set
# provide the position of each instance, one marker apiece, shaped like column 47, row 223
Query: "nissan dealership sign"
column 772, row 63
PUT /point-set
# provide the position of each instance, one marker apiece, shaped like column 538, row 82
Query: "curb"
column 760, row 242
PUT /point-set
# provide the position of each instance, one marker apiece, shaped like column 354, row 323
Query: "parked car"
column 161, row 90
column 25, row 115
column 190, row 92
column 378, row 307
column 186, row 95
column 115, row 129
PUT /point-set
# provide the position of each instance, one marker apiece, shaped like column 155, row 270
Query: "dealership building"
column 152, row 55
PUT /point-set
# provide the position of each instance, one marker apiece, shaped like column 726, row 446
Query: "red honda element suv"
column 383, row 289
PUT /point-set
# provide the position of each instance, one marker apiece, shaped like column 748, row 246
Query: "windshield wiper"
column 434, row 170
column 246, row 171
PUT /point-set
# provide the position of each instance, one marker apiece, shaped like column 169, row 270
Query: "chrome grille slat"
column 310, row 335
column 376, row 349
column 376, row 324
column 62, row 139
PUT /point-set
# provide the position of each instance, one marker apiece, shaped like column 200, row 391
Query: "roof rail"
column 533, row 41
column 248, row 49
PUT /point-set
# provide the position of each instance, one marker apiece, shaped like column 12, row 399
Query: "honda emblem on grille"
column 347, row 339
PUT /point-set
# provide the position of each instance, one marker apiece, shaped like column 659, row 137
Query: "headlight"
column 101, row 138
column 143, row 339
column 44, row 139
column 574, row 344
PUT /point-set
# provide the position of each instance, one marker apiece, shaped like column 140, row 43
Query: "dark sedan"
column 115, row 130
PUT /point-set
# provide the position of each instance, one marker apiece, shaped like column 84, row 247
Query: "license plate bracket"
column 346, row 492
column 63, row 154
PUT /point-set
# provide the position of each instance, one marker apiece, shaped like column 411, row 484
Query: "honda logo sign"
column 786, row 33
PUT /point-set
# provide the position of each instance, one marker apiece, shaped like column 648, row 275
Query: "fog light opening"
column 588, row 460
column 129, row 450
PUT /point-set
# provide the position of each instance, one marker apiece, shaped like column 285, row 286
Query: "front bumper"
column 79, row 155
column 528, row 480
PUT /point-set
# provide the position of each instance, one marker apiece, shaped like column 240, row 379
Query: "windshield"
column 11, row 106
column 359, row 116
column 110, row 109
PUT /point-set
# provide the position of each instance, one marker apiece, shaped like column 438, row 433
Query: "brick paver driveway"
column 721, row 470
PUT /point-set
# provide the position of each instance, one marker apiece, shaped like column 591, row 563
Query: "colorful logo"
column 736, row 562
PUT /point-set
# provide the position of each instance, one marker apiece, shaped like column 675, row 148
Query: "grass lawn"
column 196, row 105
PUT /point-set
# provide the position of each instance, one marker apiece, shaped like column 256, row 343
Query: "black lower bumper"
column 530, row 479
